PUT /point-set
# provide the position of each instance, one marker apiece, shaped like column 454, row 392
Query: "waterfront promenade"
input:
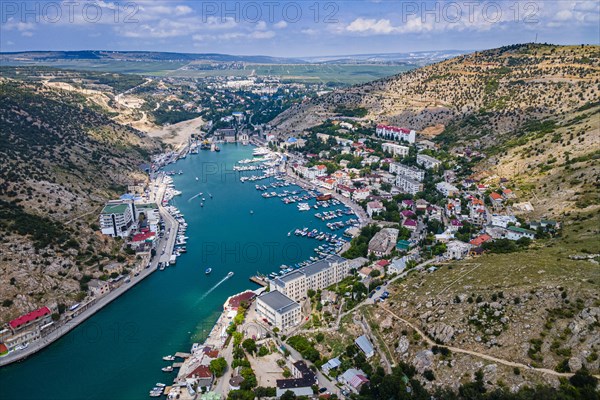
column 99, row 303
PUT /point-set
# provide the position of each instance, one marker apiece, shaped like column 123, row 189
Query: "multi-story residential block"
column 407, row 170
column 395, row 149
column 408, row 185
column 318, row 275
column 278, row 309
column 396, row 133
column 117, row 217
column 428, row 162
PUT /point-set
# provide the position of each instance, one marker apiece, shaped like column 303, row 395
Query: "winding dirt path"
column 477, row 354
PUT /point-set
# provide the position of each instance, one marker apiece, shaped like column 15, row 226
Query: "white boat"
column 303, row 207
column 167, row 369
column 160, row 385
column 169, row 358
column 230, row 274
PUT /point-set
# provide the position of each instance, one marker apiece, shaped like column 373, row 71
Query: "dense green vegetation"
column 42, row 230
column 306, row 348
column 359, row 247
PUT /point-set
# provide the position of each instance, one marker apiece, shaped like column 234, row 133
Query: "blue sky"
column 293, row 28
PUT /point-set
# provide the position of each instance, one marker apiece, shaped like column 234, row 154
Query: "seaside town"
column 393, row 203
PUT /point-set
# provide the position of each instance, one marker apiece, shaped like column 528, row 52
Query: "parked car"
column 323, row 390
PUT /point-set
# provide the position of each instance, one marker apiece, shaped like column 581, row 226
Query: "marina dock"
column 261, row 281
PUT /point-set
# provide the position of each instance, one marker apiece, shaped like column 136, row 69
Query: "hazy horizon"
column 292, row 29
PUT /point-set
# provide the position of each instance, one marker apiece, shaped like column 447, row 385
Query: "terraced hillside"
column 62, row 158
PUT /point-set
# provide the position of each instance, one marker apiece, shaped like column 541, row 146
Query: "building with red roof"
column 496, row 198
column 481, row 239
column 383, row 263
column 40, row 316
column 234, row 302
column 396, row 133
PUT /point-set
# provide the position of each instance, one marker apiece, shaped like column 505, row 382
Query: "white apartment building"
column 408, row 185
column 395, row 149
column 428, row 162
column 396, row 133
column 318, row 275
column 406, row 170
column 117, row 217
column 281, row 311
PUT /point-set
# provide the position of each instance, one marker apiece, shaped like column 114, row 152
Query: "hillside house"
column 516, row 233
column 496, row 199
column 457, row 250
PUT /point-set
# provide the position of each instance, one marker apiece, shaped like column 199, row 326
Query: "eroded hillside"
column 63, row 157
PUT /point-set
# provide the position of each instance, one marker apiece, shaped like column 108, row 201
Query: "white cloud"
column 363, row 25
column 281, row 25
column 13, row 24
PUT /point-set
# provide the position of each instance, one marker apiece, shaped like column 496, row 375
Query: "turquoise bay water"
column 117, row 353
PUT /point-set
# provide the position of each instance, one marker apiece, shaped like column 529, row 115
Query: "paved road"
column 100, row 303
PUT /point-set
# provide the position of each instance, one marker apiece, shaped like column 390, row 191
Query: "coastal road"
column 101, row 302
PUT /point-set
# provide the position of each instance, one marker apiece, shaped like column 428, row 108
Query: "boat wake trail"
column 213, row 288
column 193, row 197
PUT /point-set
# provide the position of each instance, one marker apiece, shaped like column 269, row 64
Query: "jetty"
column 259, row 280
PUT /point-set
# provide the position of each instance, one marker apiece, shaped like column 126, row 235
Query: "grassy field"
column 345, row 74
column 546, row 263
column 309, row 73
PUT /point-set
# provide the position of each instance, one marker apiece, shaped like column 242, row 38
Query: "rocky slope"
column 63, row 157
column 505, row 86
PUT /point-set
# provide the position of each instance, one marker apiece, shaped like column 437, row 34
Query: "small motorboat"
column 201, row 204
column 160, row 385
column 230, row 274
column 167, row 369
column 169, row 358
column 207, row 271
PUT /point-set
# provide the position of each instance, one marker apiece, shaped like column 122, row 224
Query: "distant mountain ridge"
column 33, row 56
column 410, row 58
